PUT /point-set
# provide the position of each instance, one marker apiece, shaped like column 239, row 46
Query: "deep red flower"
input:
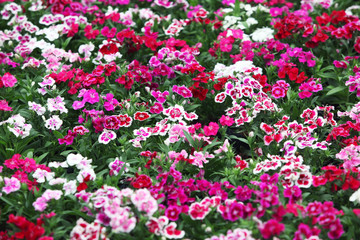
column 323, row 19
column 4, row 236
column 337, row 16
column 28, row 230
column 293, row 73
column 82, row 186
column 320, row 37
column 150, row 42
column 126, row 80
column 142, row 181
column 110, row 48
column 199, row 92
column 301, row 78
column 351, row 182
column 357, row 45
column 311, row 44
column 110, row 68
column 319, row 180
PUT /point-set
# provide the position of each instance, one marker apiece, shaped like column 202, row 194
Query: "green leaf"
column 192, row 107
column 76, row 213
column 30, row 153
column 305, row 195
column 330, row 67
column 211, row 145
column 238, row 138
column 189, row 138
column 65, row 153
column 328, row 75
column 38, row 159
column 58, row 134
column 67, row 41
column 335, row 90
column 8, row 201
column 314, row 100
column 237, row 8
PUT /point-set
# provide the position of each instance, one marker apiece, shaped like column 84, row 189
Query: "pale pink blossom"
column 40, row 204
column 11, row 185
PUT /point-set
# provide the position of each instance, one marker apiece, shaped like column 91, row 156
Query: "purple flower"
column 91, row 96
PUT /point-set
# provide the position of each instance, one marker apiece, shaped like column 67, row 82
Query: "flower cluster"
column 179, row 119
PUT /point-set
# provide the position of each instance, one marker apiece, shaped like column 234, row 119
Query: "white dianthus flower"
column 53, row 123
column 355, row 197
column 262, row 34
column 40, row 110
column 70, row 187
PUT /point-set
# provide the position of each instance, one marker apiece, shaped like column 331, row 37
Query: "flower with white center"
column 53, row 123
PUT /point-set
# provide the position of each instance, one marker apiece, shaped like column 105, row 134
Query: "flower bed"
column 179, row 119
